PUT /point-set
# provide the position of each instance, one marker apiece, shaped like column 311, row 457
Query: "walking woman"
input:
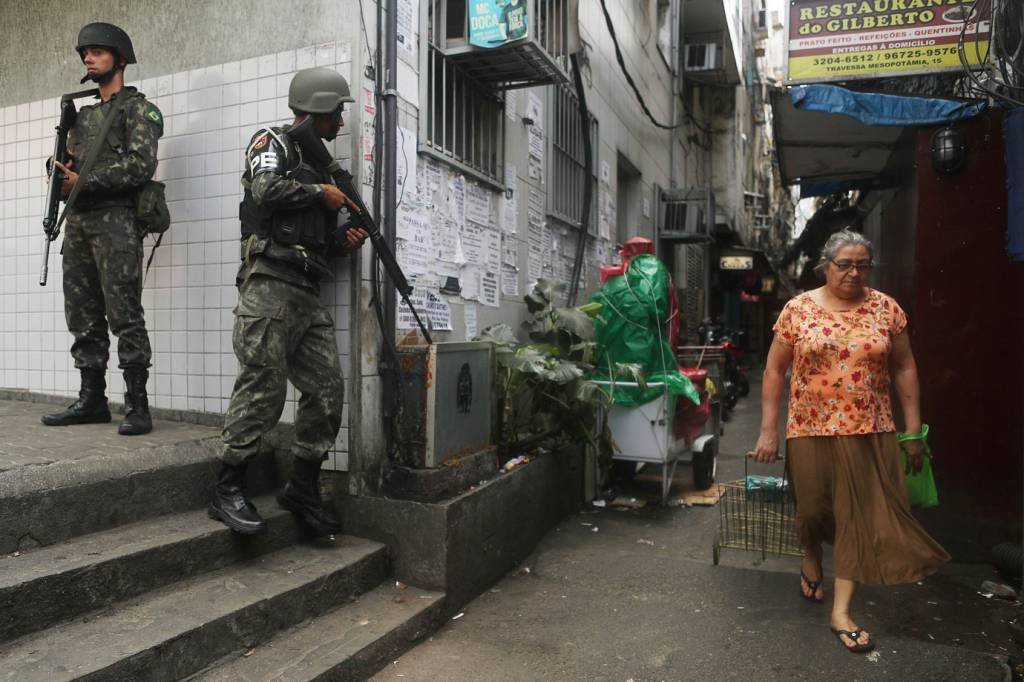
column 848, row 344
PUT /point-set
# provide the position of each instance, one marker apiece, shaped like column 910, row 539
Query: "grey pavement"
column 631, row 594
column 26, row 443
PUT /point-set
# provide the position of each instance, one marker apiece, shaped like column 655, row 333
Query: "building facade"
column 490, row 167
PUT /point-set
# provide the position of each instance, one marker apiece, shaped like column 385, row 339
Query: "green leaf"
column 631, row 371
column 562, row 373
column 576, row 322
column 500, row 334
column 527, row 360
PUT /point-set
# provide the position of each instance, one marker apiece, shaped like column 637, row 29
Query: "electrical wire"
column 625, row 72
column 962, row 55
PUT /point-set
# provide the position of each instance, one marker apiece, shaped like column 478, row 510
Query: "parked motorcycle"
column 735, row 383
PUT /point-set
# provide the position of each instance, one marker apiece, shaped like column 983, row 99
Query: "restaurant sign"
column 832, row 40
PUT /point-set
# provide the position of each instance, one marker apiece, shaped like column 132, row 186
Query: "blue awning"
column 830, row 139
column 876, row 109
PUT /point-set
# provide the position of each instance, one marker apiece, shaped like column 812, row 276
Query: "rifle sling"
column 93, row 153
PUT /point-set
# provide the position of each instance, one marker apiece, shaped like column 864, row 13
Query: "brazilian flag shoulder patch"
column 153, row 114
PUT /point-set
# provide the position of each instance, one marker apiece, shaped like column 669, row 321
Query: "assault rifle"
column 306, row 137
column 51, row 223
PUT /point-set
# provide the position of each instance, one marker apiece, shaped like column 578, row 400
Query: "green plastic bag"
column 921, row 491
column 631, row 328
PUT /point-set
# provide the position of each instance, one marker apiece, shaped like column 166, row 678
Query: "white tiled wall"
column 209, row 116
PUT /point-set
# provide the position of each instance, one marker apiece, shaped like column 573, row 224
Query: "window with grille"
column 461, row 120
column 567, row 161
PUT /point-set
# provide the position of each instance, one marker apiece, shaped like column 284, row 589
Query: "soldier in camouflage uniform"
column 103, row 246
column 282, row 332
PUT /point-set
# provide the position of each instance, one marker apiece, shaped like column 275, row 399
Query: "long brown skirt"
column 851, row 493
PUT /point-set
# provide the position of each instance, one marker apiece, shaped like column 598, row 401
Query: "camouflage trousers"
column 282, row 333
column 103, row 283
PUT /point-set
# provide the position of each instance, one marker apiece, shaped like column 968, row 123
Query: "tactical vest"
column 87, row 127
column 307, row 227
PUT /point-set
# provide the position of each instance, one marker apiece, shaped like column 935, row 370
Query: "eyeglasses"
column 847, row 265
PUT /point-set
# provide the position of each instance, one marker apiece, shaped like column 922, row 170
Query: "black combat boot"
column 136, row 404
column 91, row 406
column 301, row 496
column 230, row 505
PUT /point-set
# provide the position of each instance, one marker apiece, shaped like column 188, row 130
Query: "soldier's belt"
column 297, row 257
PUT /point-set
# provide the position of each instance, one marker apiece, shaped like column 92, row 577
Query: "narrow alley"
column 631, row 594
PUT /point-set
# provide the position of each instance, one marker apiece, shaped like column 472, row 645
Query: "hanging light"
column 949, row 151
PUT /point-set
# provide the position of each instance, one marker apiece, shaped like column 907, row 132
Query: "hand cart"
column 757, row 514
column 645, row 434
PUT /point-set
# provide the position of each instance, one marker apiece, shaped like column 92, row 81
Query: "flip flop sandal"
column 857, row 648
column 813, row 585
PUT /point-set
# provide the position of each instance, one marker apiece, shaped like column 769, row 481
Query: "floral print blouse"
column 840, row 379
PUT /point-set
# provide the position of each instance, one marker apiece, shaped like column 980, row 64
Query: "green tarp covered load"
column 633, row 328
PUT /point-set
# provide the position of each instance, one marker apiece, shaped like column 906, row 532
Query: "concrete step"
column 183, row 628
column 60, row 582
column 78, row 480
column 349, row 643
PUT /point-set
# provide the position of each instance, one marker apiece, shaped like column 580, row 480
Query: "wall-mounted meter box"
column 448, row 402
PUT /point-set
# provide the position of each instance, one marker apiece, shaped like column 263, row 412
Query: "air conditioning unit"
column 701, row 57
column 684, row 213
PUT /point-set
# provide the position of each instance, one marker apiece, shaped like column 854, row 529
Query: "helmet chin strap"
column 102, row 78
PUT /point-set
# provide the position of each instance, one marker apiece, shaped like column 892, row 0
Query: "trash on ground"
column 248, row 653
column 645, row 541
column 874, row 656
column 515, row 461
column 594, row 529
column 599, row 503
column 999, row 590
column 701, row 498
column 364, row 623
column 628, row 503
column 458, row 615
column 584, row 523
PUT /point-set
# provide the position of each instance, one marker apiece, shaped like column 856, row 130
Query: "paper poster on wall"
column 509, row 280
column 457, row 200
column 433, row 310
column 446, row 240
column 469, row 317
column 535, row 144
column 495, row 22
column 411, row 218
column 478, row 204
column 606, row 172
column 407, row 16
column 490, row 294
column 509, row 215
column 535, row 109
column 415, row 254
column 470, row 279
column 491, row 249
column 432, row 176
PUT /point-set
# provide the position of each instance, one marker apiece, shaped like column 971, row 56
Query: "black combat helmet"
column 318, row 91
column 113, row 38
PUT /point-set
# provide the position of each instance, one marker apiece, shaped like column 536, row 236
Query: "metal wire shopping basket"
column 757, row 515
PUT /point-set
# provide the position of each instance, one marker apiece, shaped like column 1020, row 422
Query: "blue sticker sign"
column 493, row 23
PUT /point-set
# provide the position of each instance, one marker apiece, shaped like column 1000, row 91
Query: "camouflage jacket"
column 127, row 159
